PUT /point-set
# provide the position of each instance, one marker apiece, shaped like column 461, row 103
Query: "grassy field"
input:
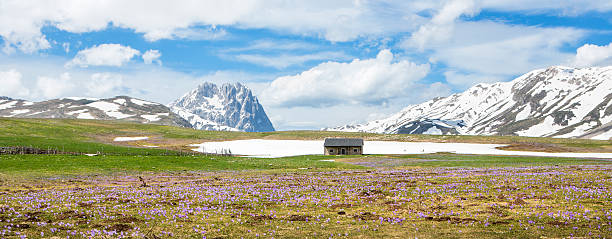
column 130, row 191
column 425, row 203
column 97, row 136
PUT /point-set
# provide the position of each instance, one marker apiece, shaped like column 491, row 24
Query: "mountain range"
column 557, row 101
column 117, row 108
column 554, row 102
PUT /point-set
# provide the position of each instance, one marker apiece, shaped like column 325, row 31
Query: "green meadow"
column 129, row 190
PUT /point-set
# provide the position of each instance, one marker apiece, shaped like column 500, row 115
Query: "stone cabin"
column 343, row 146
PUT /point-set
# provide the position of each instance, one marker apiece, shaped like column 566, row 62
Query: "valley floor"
column 132, row 190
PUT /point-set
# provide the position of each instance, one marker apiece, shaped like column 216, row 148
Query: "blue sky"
column 312, row 64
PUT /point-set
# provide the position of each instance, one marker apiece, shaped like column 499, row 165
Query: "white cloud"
column 441, row 26
column 558, row 7
column 66, row 46
column 104, row 84
column 11, row 84
column 463, row 81
column 50, row 87
column 593, row 55
column 285, row 60
column 484, row 51
column 21, row 21
column 369, row 81
column 428, row 92
column 151, row 56
column 209, row 33
column 269, row 45
column 103, row 55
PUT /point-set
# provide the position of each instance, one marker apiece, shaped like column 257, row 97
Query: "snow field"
column 123, row 139
column 284, row 148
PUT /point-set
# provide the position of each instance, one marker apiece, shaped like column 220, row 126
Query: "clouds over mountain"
column 368, row 81
column 593, row 55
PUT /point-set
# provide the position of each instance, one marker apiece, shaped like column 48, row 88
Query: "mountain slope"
column 117, row 108
column 230, row 107
column 554, row 102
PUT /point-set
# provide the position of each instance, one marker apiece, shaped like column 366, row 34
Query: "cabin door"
column 343, row 151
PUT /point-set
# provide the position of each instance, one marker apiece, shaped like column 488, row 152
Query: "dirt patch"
column 33, row 216
column 120, row 227
column 262, row 217
column 519, row 201
column 71, row 215
column 370, row 192
column 124, row 219
column 295, row 218
column 112, row 199
column 241, row 206
column 438, row 207
column 366, row 216
column 451, row 219
column 538, row 147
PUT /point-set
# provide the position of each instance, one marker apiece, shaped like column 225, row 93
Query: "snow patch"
column 82, row 114
column 154, row 117
column 542, row 129
column 104, row 106
column 111, row 109
column 120, row 101
column 18, row 112
column 603, row 136
column 10, row 104
column 284, row 148
column 123, row 139
column 524, row 113
column 579, row 130
column 433, row 130
column 142, row 102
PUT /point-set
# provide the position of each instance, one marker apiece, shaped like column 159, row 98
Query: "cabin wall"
column 356, row 150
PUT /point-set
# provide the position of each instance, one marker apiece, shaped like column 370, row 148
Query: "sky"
column 312, row 64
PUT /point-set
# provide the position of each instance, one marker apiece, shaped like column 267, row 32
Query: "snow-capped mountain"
column 555, row 102
column 230, row 107
column 117, row 108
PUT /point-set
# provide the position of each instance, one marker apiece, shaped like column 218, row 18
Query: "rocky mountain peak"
column 231, row 106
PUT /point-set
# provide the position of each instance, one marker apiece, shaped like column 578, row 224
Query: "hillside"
column 118, row 108
column 91, row 136
column 555, row 102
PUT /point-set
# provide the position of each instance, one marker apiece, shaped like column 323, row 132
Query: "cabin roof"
column 339, row 142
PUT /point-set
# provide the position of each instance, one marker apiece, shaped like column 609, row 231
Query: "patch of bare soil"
column 120, row 227
column 295, row 218
column 452, row 219
column 366, row 216
column 262, row 217
column 539, row 147
column 125, row 219
column 71, row 215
